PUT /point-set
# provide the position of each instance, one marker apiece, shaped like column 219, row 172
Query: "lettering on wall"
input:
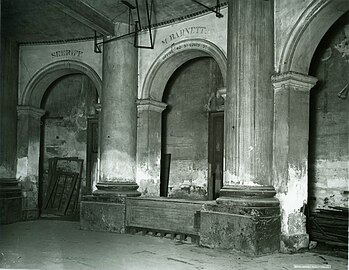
column 181, row 47
column 62, row 53
column 187, row 31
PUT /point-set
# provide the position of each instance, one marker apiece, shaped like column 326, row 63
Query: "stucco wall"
column 329, row 126
column 33, row 58
column 185, row 126
column 286, row 14
column 207, row 27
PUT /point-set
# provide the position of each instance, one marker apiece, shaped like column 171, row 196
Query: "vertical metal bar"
column 129, row 20
column 149, row 22
column 135, row 41
column 139, row 17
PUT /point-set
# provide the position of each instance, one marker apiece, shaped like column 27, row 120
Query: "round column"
column 249, row 97
column 119, row 119
column 247, row 191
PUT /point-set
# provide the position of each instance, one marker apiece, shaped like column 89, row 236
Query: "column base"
column 103, row 213
column 245, row 219
column 117, row 189
column 30, row 214
column 294, row 243
column 10, row 201
column 105, row 210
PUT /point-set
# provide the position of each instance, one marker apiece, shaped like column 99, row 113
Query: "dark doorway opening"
column 215, row 154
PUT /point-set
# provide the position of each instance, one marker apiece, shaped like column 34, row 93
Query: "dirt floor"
column 54, row 244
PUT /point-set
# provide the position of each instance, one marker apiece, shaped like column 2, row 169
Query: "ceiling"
column 43, row 20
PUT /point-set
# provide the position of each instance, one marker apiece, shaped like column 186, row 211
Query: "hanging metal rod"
column 130, row 8
column 138, row 25
column 138, row 28
column 215, row 10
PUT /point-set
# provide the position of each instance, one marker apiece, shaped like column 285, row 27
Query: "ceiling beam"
column 86, row 15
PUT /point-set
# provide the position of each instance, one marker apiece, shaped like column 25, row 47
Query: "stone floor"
column 52, row 244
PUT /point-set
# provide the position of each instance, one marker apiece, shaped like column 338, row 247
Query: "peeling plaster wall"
column 329, row 125
column 69, row 101
column 185, row 126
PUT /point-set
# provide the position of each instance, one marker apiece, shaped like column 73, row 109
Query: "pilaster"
column 28, row 152
column 290, row 162
column 149, row 114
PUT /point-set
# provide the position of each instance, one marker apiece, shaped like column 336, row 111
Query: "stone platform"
column 249, row 223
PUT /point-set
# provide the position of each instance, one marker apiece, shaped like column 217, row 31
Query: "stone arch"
column 172, row 58
column 307, row 33
column 292, row 86
column 150, row 105
column 28, row 125
column 42, row 79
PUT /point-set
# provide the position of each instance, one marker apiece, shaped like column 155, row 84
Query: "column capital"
column 128, row 189
column 150, row 105
column 297, row 81
column 30, row 111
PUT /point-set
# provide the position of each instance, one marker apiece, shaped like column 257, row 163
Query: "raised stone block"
column 245, row 218
column 164, row 214
column 10, row 201
column 102, row 213
column 294, row 243
column 252, row 235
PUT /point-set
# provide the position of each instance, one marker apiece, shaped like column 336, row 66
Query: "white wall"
column 207, row 27
column 32, row 58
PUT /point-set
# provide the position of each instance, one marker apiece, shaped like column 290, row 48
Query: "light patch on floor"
column 49, row 244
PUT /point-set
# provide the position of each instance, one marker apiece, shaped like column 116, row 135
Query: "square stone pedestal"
column 254, row 230
column 10, row 201
column 103, row 213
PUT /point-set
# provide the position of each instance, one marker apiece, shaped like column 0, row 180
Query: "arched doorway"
column 328, row 133
column 68, row 131
column 150, row 107
column 291, row 118
column 192, row 132
column 29, row 125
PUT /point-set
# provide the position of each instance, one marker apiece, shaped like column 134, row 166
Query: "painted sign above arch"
column 182, row 36
column 197, row 44
column 190, row 31
column 173, row 57
column 67, row 53
column 33, row 58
